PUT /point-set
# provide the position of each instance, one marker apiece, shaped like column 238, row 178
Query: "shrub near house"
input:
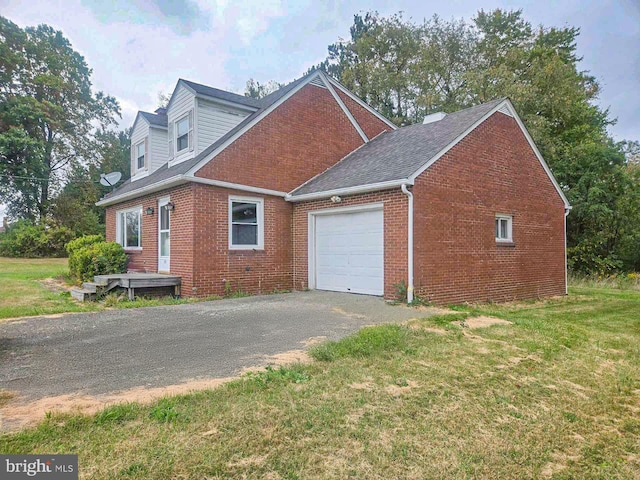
column 91, row 255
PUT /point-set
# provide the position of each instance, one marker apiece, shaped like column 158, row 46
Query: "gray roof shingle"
column 221, row 94
column 154, row 118
column 396, row 154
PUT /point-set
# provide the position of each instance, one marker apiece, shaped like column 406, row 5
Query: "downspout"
column 410, row 244
column 567, row 209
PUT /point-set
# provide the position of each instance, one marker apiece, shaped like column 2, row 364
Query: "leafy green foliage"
column 25, row 239
column 406, row 70
column 48, row 115
column 90, row 256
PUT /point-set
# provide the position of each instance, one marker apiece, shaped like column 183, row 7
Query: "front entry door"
column 164, row 240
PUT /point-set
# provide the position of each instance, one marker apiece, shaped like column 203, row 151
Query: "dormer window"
column 182, row 134
column 140, row 156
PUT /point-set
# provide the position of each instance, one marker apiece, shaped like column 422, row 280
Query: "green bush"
column 90, row 256
column 25, row 239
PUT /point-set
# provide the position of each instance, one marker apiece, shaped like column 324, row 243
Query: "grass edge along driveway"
column 555, row 394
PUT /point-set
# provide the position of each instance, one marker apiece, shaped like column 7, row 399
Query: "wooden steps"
column 102, row 284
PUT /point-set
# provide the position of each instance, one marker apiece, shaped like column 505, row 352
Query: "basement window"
column 246, row 223
column 504, row 228
column 129, row 228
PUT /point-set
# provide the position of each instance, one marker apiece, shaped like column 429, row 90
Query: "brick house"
column 310, row 187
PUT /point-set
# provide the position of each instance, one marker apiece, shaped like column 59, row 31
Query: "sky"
column 138, row 48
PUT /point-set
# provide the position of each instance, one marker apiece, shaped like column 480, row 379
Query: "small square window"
column 246, row 225
column 504, row 228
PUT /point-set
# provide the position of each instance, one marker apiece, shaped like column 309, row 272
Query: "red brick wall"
column 493, row 170
column 301, row 138
column 259, row 271
column 182, row 225
column 370, row 124
column 395, row 235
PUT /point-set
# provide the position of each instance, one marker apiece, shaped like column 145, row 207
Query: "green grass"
column 554, row 395
column 22, row 293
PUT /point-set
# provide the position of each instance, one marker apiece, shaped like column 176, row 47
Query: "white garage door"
column 350, row 252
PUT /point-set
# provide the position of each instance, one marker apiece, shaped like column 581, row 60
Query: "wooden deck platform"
column 102, row 284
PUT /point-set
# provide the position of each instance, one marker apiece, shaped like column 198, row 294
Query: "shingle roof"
column 165, row 173
column 154, row 118
column 221, row 94
column 396, row 154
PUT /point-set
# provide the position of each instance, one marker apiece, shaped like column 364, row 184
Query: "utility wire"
column 45, row 179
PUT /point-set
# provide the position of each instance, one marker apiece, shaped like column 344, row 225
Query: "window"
column 140, row 154
column 504, row 228
column 246, row 223
column 182, row 134
column 129, row 228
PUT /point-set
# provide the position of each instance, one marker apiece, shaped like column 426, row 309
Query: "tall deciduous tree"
column 48, row 115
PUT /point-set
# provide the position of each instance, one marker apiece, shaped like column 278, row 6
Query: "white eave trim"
column 250, row 125
column 361, row 102
column 344, row 108
column 506, row 103
column 182, row 179
column 371, row 187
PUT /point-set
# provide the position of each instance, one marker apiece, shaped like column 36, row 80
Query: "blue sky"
column 138, row 48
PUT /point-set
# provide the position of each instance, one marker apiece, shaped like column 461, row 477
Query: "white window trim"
column 119, row 232
column 175, row 134
column 260, row 211
column 509, row 218
column 144, row 167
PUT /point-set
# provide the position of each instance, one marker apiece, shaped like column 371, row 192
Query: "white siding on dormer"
column 182, row 102
column 139, row 134
column 213, row 121
column 157, row 148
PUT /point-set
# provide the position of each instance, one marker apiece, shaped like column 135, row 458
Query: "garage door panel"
column 350, row 252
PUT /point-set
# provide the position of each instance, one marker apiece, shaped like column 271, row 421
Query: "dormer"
column 198, row 115
column 148, row 143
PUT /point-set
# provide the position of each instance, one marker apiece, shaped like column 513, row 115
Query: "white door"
column 349, row 252
column 164, row 235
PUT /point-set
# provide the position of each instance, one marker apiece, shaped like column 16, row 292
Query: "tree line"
column 57, row 135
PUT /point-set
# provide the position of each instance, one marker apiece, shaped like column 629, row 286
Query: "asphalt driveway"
column 98, row 353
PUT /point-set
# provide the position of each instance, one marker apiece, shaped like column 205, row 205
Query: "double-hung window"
column 504, row 228
column 129, row 227
column 140, row 155
column 182, row 134
column 246, row 223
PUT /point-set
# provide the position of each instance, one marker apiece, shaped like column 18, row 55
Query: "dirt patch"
column 292, row 356
column 362, row 386
column 55, row 285
column 435, row 310
column 17, row 414
column 348, row 314
column 397, row 390
column 483, row 321
column 254, row 460
column 313, row 341
column 416, row 324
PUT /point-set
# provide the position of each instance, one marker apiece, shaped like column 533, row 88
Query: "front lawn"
column 555, row 394
column 35, row 286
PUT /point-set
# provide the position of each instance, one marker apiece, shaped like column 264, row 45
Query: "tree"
column 48, row 115
column 255, row 89
column 75, row 206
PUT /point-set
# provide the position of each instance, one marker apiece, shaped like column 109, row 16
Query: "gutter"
column 410, row 244
column 371, row 187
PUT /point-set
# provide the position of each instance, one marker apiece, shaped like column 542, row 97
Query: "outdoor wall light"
column 170, row 206
column 149, row 211
column 336, row 199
